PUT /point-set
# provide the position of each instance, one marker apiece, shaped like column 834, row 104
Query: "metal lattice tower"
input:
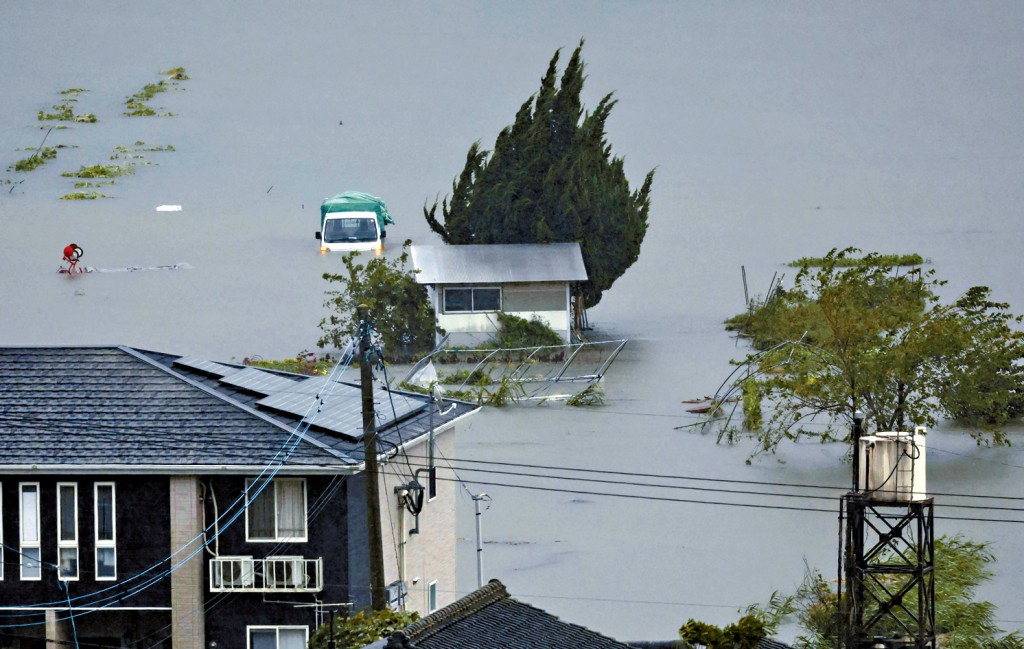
column 888, row 554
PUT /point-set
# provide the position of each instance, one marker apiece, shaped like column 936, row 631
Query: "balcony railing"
column 270, row 575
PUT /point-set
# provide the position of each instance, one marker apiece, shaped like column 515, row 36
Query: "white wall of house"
column 546, row 301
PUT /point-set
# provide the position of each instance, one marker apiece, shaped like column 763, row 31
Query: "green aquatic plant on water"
column 100, row 171
column 86, row 184
column 64, row 112
column 593, row 395
column 82, row 196
column 136, row 104
column 37, row 159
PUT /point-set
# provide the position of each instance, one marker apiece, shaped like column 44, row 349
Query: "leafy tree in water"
column 961, row 620
column 362, row 628
column 866, row 337
column 551, row 178
column 399, row 307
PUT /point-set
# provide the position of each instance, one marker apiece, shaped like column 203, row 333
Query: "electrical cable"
column 549, row 467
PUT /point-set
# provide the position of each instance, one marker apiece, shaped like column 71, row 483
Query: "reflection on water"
column 776, row 132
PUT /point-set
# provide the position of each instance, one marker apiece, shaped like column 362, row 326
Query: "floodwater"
column 777, row 131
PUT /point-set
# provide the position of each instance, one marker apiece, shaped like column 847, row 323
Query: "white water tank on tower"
column 892, row 466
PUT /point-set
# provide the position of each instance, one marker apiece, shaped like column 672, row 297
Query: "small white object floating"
column 168, row 208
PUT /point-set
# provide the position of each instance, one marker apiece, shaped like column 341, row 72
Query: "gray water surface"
column 777, row 131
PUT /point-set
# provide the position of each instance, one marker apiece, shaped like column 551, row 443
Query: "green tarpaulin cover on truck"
column 356, row 202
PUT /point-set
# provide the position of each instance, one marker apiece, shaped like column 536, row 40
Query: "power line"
column 765, row 483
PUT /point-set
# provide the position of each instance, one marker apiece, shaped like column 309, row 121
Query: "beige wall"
column 431, row 554
column 187, row 587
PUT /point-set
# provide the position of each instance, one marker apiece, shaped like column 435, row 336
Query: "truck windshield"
column 338, row 230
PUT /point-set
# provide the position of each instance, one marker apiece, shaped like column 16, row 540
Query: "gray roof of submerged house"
column 489, row 618
column 498, row 263
column 118, row 408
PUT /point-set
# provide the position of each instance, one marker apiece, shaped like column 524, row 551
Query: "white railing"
column 272, row 574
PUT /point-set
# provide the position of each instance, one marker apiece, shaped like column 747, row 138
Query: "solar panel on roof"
column 339, row 407
column 203, row 365
column 259, row 381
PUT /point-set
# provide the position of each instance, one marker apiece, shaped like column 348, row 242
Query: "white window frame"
column 105, row 544
column 67, row 544
column 28, row 543
column 432, row 596
column 270, row 490
column 472, row 298
column 277, row 639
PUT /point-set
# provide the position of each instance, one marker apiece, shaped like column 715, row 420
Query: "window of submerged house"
column 277, row 512
column 469, row 300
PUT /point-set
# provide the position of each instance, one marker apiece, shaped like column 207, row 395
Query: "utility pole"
column 378, row 601
column 479, row 542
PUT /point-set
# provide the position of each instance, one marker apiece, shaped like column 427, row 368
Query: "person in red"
column 72, row 253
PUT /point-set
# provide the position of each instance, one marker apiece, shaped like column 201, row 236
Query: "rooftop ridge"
column 479, row 599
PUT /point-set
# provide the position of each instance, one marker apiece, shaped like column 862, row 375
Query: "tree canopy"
column 399, row 307
column 361, row 629
column 873, row 338
column 962, row 621
column 551, row 178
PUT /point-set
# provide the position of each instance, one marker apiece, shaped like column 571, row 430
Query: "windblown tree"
column 857, row 334
column 962, row 620
column 552, row 178
column 398, row 306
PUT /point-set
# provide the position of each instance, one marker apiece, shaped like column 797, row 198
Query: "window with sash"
column 472, row 299
column 29, row 531
column 67, row 531
column 277, row 511
column 106, row 532
column 278, row 637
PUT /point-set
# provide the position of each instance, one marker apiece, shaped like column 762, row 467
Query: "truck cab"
column 350, row 231
column 353, row 221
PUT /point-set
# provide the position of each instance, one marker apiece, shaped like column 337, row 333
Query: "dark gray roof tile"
column 89, row 406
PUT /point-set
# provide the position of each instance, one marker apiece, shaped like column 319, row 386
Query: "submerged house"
column 156, row 500
column 468, row 285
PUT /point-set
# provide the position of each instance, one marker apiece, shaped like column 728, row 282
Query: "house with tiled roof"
column 157, row 500
column 490, row 618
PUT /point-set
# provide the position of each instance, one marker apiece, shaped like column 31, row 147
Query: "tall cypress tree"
column 552, row 178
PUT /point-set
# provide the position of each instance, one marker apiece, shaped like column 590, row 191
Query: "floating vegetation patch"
column 137, row 106
column 913, row 259
column 37, row 159
column 100, row 171
column 135, row 155
column 82, row 196
column 86, row 184
column 64, row 112
column 593, row 395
